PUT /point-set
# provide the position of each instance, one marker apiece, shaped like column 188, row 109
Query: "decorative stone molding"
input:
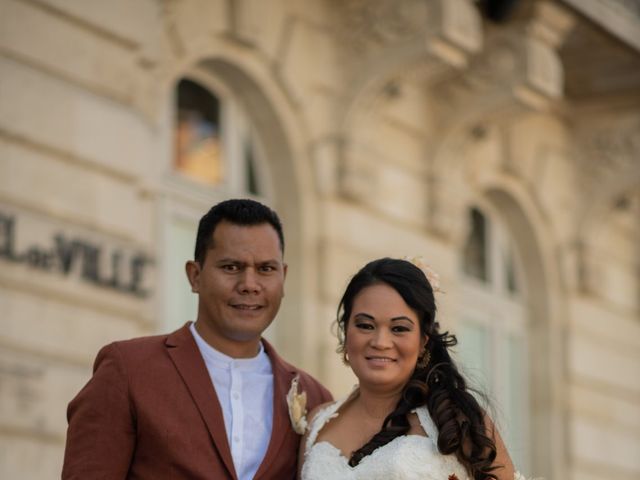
column 450, row 30
column 520, row 62
column 381, row 39
column 170, row 9
column 544, row 70
column 356, row 178
column 546, row 32
column 610, row 164
column 365, row 26
column 190, row 23
column 455, row 31
column 621, row 18
column 614, row 148
column 608, row 175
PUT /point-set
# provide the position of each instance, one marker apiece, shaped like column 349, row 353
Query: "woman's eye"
column 364, row 326
column 400, row 329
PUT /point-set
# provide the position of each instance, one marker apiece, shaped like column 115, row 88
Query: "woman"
column 412, row 416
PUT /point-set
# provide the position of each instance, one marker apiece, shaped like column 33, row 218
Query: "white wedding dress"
column 407, row 457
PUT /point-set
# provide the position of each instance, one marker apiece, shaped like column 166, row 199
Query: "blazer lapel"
column 282, row 378
column 185, row 355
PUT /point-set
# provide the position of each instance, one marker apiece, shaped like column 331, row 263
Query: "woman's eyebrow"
column 402, row 318
column 365, row 315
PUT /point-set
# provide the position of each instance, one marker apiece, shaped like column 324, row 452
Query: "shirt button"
column 236, row 439
column 236, row 396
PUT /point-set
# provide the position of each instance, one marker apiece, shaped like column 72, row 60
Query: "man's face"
column 240, row 286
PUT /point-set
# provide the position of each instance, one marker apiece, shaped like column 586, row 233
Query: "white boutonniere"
column 297, row 407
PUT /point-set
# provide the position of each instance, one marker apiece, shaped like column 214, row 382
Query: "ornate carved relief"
column 364, row 26
column 381, row 40
column 446, row 29
column 170, row 10
column 609, row 174
column 620, row 18
column 612, row 150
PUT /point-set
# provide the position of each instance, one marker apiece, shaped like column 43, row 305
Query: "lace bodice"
column 407, row 457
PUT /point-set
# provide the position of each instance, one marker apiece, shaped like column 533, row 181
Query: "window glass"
column 198, row 134
column 252, row 184
column 516, row 402
column 181, row 302
column 510, row 271
column 473, row 350
column 475, row 250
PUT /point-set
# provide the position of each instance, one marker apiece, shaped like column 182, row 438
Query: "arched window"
column 214, row 141
column 214, row 154
column 493, row 327
column 198, row 145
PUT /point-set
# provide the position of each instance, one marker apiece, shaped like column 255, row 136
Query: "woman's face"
column 383, row 339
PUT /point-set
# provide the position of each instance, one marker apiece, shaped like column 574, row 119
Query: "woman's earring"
column 345, row 358
column 424, row 360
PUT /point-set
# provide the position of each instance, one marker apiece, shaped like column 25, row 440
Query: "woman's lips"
column 376, row 360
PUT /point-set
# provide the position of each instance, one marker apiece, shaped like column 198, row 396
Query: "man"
column 207, row 401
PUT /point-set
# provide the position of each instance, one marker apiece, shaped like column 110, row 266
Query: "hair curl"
column 459, row 418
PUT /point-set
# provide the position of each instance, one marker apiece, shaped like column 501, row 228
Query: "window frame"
column 503, row 314
column 235, row 127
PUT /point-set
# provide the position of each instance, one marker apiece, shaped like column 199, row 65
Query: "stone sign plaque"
column 45, row 245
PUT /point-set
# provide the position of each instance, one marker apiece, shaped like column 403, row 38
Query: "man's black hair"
column 242, row 212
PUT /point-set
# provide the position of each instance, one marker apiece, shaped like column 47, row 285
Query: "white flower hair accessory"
column 297, row 407
column 433, row 277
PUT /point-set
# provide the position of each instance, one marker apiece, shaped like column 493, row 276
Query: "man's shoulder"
column 137, row 344
column 144, row 345
column 146, row 340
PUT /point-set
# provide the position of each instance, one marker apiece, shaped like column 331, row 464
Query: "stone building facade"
column 503, row 146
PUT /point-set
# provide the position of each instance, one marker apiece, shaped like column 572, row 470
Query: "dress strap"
column 427, row 423
column 320, row 420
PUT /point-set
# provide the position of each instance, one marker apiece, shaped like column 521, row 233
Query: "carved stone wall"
column 384, row 121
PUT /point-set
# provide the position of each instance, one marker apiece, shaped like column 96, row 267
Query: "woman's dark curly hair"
column 440, row 386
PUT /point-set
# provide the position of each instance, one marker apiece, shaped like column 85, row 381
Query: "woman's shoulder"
column 318, row 417
column 313, row 413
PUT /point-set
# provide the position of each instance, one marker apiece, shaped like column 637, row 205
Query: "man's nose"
column 249, row 281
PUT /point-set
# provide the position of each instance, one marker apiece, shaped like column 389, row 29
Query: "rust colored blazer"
column 150, row 411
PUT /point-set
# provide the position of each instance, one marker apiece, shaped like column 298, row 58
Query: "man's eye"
column 267, row 268
column 230, row 268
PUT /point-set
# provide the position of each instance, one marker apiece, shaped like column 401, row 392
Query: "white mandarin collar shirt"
column 244, row 387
